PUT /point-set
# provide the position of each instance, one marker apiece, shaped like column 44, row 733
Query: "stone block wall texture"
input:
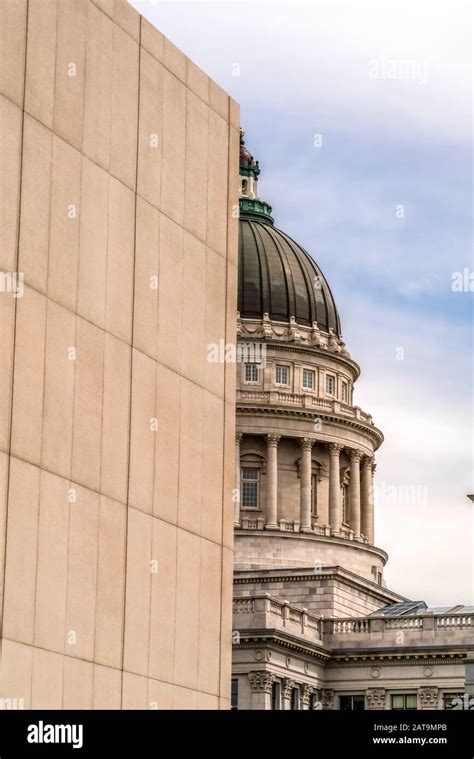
column 119, row 174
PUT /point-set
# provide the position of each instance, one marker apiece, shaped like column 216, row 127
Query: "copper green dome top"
column 276, row 275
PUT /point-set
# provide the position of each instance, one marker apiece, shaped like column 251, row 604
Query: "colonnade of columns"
column 360, row 488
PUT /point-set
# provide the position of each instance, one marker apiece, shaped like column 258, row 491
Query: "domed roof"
column 277, row 276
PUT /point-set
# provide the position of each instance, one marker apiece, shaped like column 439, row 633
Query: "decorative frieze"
column 376, row 698
column 428, row 697
column 271, row 330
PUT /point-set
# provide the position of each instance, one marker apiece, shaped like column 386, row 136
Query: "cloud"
column 306, row 69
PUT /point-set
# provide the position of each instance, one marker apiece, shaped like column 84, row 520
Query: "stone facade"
column 328, row 591
column 119, row 163
column 332, row 661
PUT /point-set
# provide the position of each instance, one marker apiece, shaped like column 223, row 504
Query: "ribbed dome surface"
column 277, row 276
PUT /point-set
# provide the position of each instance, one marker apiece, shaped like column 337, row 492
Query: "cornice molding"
column 249, row 639
column 379, row 552
column 372, row 432
column 304, row 578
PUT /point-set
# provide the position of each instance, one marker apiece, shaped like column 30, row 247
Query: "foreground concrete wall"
column 119, row 166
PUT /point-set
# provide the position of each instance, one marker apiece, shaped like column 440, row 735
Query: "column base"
column 307, row 529
column 272, row 527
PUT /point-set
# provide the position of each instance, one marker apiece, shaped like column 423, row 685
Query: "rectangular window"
column 234, row 695
column 457, row 701
column 352, row 703
column 249, row 488
column 251, row 373
column 404, row 701
column 314, row 495
column 308, row 379
column 345, row 504
column 282, row 375
column 345, row 395
column 275, row 696
column 330, row 384
column 294, row 699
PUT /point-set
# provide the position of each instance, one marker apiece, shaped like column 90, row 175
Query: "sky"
column 360, row 114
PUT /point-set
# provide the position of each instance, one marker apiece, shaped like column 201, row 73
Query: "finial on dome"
column 248, row 166
column 249, row 169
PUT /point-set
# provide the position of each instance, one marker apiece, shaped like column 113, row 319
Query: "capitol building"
column 315, row 625
column 174, row 536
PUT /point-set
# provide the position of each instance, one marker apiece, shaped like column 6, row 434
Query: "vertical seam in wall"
column 155, row 390
column 71, row 482
column 224, row 426
column 76, row 304
column 104, row 338
column 13, row 352
column 152, row 524
column 124, row 605
column 45, row 360
column 180, row 378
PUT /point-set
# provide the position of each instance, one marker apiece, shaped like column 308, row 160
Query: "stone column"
column 355, row 493
column 367, row 499
column 238, row 438
column 272, row 481
column 335, row 516
column 261, row 687
column 372, row 502
column 305, row 484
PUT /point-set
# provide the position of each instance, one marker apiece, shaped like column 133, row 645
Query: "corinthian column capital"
column 355, row 454
column 261, row 681
column 238, row 437
column 306, row 443
column 273, row 440
column 367, row 462
column 306, row 693
column 335, row 448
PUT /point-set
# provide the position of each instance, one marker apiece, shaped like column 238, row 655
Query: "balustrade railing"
column 302, row 401
column 302, row 622
column 455, row 620
column 286, row 613
column 403, row 623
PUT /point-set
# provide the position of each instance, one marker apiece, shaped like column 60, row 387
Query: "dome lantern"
column 249, row 170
